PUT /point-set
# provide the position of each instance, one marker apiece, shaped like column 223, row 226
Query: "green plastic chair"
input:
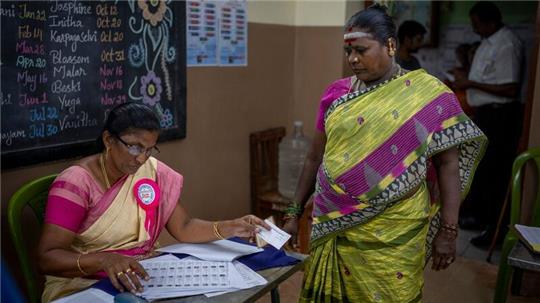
column 34, row 195
column 505, row 271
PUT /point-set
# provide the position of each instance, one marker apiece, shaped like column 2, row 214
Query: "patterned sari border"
column 464, row 134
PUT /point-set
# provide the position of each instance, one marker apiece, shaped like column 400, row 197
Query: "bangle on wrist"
column 216, row 231
column 451, row 229
column 293, row 210
column 287, row 217
column 79, row 265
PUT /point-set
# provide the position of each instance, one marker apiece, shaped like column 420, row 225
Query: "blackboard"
column 65, row 64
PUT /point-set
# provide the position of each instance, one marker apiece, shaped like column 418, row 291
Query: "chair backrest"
column 517, row 176
column 264, row 157
column 34, row 195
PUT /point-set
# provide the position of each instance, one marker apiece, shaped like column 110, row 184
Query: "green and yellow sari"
column 375, row 209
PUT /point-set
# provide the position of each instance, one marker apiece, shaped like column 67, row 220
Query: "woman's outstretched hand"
column 444, row 250
column 245, row 227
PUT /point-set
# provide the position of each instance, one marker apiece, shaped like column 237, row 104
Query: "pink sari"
column 108, row 221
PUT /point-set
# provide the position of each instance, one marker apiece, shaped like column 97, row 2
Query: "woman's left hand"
column 444, row 250
column 245, row 227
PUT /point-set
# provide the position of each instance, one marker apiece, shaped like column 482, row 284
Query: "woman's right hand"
column 291, row 227
column 124, row 272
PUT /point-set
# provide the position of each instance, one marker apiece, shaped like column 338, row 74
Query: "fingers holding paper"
column 244, row 227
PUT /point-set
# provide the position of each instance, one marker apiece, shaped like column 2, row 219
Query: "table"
column 522, row 257
column 274, row 276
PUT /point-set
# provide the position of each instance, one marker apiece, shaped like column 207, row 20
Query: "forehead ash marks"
column 351, row 36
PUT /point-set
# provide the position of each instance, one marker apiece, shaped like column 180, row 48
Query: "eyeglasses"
column 136, row 150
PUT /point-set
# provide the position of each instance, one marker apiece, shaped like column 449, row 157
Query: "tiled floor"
column 469, row 280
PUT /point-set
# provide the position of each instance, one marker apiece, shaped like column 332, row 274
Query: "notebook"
column 530, row 236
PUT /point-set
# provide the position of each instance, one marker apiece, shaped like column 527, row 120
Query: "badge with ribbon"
column 147, row 194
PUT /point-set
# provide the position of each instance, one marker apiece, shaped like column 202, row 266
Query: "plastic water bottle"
column 292, row 153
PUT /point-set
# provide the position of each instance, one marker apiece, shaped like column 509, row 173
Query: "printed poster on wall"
column 216, row 33
column 202, row 31
column 233, row 34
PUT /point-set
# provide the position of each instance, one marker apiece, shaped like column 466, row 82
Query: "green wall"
column 514, row 12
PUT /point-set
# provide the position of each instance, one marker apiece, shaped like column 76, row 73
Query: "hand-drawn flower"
column 136, row 54
column 151, row 88
column 153, row 12
column 167, row 119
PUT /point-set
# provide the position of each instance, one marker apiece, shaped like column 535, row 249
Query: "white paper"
column 93, row 295
column 275, row 236
column 222, row 250
column 249, row 277
column 531, row 234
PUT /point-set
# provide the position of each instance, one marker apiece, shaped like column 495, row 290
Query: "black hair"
column 486, row 11
column 410, row 28
column 129, row 116
column 375, row 21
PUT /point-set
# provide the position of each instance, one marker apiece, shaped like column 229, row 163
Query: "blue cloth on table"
column 268, row 258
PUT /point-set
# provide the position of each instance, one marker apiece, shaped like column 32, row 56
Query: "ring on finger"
column 118, row 274
column 128, row 270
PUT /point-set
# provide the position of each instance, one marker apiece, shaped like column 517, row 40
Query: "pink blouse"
column 337, row 89
column 76, row 200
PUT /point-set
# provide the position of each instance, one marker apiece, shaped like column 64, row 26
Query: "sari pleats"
column 360, row 264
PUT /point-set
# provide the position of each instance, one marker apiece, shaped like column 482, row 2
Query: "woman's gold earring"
column 391, row 52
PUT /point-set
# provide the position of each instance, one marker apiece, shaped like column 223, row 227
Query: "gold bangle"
column 216, row 231
column 79, row 265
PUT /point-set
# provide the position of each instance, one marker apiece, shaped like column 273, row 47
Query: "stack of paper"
column 222, row 250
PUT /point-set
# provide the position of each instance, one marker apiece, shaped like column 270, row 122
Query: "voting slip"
column 275, row 236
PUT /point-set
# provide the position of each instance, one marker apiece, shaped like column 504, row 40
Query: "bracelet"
column 293, row 210
column 450, row 228
column 79, row 265
column 216, row 230
column 289, row 217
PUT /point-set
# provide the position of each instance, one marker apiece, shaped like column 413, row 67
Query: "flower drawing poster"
column 71, row 62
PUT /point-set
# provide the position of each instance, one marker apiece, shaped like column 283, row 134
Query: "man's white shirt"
column 497, row 60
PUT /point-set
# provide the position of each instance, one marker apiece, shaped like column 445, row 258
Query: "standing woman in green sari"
column 392, row 158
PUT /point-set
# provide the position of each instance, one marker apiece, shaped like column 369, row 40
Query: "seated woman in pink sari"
column 106, row 212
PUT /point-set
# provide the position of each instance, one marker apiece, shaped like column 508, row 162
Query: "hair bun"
column 380, row 7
